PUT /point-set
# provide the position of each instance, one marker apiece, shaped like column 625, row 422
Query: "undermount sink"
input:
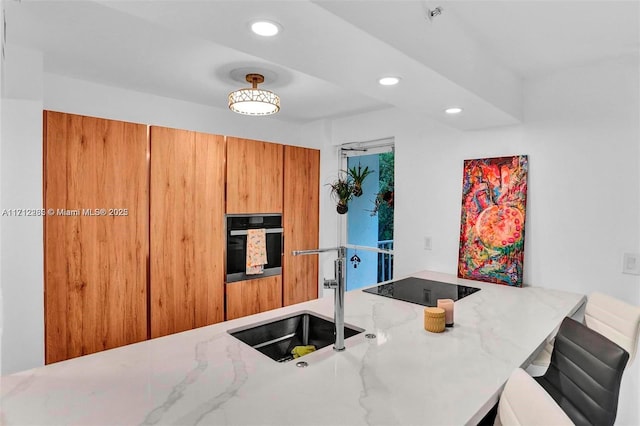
column 277, row 337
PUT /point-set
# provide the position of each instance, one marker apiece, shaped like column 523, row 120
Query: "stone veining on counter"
column 403, row 376
column 375, row 402
column 240, row 376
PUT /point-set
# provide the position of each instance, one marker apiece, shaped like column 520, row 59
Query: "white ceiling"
column 326, row 61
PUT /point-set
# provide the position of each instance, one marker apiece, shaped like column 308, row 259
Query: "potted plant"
column 358, row 176
column 342, row 191
column 383, row 197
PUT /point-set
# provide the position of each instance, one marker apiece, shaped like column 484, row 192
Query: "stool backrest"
column 616, row 320
column 585, row 373
column 525, row 403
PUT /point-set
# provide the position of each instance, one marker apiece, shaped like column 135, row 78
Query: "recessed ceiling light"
column 389, row 81
column 453, row 110
column 265, row 28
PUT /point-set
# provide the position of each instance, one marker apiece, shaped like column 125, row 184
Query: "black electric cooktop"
column 421, row 291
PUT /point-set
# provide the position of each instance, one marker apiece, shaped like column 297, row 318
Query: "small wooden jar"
column 434, row 320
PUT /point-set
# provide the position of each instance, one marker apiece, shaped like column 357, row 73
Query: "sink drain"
column 370, row 336
column 301, row 364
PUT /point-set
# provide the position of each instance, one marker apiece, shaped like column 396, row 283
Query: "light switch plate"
column 631, row 263
column 427, row 243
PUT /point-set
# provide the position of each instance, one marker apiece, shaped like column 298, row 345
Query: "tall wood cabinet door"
column 253, row 296
column 187, row 230
column 254, row 176
column 301, row 223
column 96, row 239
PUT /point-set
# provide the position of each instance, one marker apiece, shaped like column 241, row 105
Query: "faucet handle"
column 330, row 283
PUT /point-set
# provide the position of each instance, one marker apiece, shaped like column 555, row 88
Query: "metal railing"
column 385, row 261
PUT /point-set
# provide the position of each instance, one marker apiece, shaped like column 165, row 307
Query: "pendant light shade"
column 254, row 101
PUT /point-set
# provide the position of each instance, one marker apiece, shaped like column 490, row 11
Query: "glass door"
column 370, row 215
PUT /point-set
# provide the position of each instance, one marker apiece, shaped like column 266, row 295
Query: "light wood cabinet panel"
column 253, row 296
column 254, row 176
column 301, row 223
column 95, row 265
column 187, row 230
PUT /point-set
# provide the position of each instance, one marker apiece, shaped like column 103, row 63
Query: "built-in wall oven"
column 237, row 227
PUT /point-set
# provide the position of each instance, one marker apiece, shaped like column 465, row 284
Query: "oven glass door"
column 237, row 246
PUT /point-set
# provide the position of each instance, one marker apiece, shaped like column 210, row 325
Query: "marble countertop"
column 404, row 376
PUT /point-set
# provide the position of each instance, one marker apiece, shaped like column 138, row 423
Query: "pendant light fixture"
column 254, row 101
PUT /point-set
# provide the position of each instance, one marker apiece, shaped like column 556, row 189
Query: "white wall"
column 581, row 132
column 21, row 264
column 2, row 73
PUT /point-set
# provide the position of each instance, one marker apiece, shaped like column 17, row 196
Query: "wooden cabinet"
column 187, row 230
column 269, row 178
column 96, row 238
column 135, row 247
column 301, row 223
column 253, row 296
column 254, row 176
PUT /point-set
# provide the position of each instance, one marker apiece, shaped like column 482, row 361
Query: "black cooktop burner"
column 421, row 291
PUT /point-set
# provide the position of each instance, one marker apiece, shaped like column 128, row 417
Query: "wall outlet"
column 427, row 243
column 631, row 263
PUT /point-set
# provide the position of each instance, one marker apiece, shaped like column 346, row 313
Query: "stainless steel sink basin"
column 277, row 337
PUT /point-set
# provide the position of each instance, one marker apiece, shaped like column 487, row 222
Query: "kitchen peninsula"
column 404, row 375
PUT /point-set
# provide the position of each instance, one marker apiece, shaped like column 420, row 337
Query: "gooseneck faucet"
column 338, row 284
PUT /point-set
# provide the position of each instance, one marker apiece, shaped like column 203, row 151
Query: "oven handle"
column 267, row 231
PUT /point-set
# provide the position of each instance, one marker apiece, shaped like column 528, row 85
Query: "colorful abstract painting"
column 494, row 197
